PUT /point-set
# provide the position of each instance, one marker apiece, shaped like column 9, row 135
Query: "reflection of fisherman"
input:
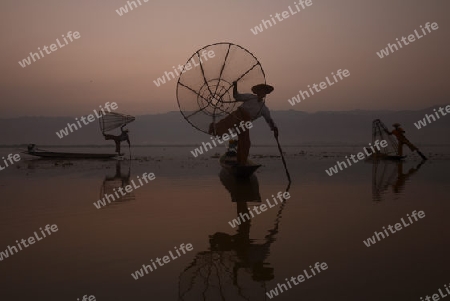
column 118, row 139
column 251, row 109
column 398, row 133
column 251, row 256
column 402, row 178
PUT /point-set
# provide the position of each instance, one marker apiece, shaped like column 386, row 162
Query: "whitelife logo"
column 170, row 75
column 90, row 118
column 411, row 38
column 265, row 24
column 53, row 47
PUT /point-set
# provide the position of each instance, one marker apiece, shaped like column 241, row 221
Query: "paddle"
column 282, row 158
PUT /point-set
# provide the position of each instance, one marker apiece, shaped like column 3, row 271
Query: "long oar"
column 282, row 158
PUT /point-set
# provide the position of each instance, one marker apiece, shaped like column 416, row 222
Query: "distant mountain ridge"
column 296, row 128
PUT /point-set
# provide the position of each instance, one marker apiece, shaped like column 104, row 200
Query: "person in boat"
column 31, row 148
column 252, row 108
column 118, row 139
column 398, row 132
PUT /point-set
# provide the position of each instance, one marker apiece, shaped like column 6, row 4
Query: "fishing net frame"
column 117, row 120
column 379, row 131
column 208, row 91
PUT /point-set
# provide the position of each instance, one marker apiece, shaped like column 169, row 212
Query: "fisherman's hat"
column 396, row 124
column 266, row 89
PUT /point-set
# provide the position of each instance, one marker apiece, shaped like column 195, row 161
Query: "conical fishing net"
column 205, row 85
column 111, row 120
column 379, row 132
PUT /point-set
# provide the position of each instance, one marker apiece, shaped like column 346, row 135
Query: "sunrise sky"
column 118, row 57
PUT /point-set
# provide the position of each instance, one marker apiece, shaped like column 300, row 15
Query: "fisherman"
column 31, row 148
column 398, row 133
column 118, row 139
column 251, row 109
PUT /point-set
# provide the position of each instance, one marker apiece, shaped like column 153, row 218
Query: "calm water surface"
column 191, row 201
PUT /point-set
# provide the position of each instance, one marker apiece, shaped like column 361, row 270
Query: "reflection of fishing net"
column 213, row 275
column 379, row 133
column 109, row 186
column 205, row 89
column 112, row 184
column 111, row 120
column 383, row 175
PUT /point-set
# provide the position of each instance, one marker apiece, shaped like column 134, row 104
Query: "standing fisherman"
column 250, row 110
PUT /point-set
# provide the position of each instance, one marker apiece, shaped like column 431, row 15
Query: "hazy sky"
column 118, row 57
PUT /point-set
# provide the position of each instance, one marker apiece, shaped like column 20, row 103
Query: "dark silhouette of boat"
column 33, row 151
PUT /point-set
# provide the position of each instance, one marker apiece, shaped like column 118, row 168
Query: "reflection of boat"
column 33, row 151
column 235, row 266
column 240, row 171
column 241, row 190
column 387, row 174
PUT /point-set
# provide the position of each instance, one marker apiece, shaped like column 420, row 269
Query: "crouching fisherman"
column 251, row 109
column 118, row 139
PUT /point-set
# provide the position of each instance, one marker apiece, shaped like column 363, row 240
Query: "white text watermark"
column 31, row 240
column 315, row 87
column 129, row 188
column 86, row 120
column 161, row 261
column 225, row 137
column 53, row 47
column 391, row 48
column 192, row 63
column 265, row 24
column 398, row 226
column 244, row 217
column 318, row 267
column 360, row 156
column 11, row 159
column 429, row 118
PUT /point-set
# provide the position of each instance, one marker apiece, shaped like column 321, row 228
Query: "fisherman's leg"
column 117, row 146
column 225, row 124
column 109, row 137
column 244, row 142
column 243, row 147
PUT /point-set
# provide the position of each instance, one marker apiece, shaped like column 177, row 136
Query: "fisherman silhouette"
column 251, row 109
column 119, row 138
column 398, row 132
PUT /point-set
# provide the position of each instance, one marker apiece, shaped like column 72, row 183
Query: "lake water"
column 190, row 201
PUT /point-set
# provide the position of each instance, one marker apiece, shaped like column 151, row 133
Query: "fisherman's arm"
column 240, row 97
column 235, row 90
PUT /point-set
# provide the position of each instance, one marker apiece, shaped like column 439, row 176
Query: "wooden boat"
column 64, row 155
column 229, row 163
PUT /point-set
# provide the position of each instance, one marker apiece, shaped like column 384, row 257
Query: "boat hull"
column 61, row 155
column 229, row 163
